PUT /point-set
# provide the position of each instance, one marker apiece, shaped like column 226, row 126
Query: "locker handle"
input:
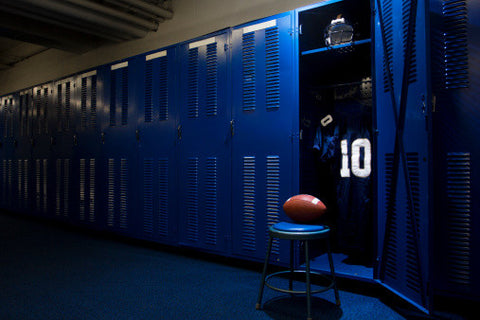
column 232, row 127
column 179, row 132
column 75, row 140
column 102, row 135
column 137, row 135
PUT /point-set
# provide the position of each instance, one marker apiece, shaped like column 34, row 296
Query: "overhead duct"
column 158, row 11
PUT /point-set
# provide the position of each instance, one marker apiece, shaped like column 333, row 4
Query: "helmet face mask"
column 338, row 32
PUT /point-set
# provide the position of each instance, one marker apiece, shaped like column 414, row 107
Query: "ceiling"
column 30, row 27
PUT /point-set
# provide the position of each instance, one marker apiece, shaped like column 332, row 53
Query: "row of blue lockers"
column 188, row 145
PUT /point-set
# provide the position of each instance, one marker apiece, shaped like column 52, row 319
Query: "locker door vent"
column 25, row 182
column 212, row 79
column 83, row 104
column 272, row 68
column 248, row 68
column 66, row 187
column 192, row 201
column 91, row 193
column 211, row 201
column 111, row 192
column 37, row 111
column 459, row 218
column 148, row 108
column 163, row 89
column 67, row 106
column 93, row 103
column 23, row 115
column 124, row 96
column 163, row 197
column 193, row 83
column 41, row 183
column 273, row 196
column 413, row 275
column 20, row 182
column 82, row 189
column 388, row 31
column 123, row 193
column 148, row 195
column 62, row 187
column 406, row 7
column 248, row 232
column 390, row 258
column 455, row 44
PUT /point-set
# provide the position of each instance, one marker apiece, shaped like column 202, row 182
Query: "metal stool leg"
column 290, row 284
column 264, row 274
column 332, row 270
column 307, row 274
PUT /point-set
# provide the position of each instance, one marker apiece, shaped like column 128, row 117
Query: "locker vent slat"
column 124, row 97
column 272, row 47
column 123, row 193
column 455, row 44
column 148, row 108
column 211, row 202
column 163, row 89
column 67, row 106
column 111, row 192
column 211, row 81
column 82, row 189
column 248, row 228
column 148, row 195
column 406, row 6
column 273, row 197
column 390, row 259
column 192, row 201
column 163, row 197
column 83, row 104
column 388, row 32
column 459, row 233
column 193, row 83
column 248, row 69
column 25, row 183
column 91, row 193
column 20, row 181
column 93, row 102
column 413, row 267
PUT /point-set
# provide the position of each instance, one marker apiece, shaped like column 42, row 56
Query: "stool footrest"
column 326, row 288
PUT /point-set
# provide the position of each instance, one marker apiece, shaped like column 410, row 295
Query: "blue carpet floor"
column 48, row 271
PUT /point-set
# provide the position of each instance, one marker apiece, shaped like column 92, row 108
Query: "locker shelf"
column 355, row 43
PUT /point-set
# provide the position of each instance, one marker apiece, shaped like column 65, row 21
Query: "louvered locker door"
column 402, row 100
column 119, row 148
column 63, row 132
column 455, row 74
column 157, row 197
column 40, row 142
column 203, row 137
column 86, row 148
column 9, row 164
column 265, row 114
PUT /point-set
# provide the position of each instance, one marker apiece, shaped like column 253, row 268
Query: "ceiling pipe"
column 147, row 24
column 86, row 15
column 164, row 13
column 35, row 16
column 138, row 11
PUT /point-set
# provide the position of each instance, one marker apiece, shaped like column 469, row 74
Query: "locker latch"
column 179, row 132
column 137, row 135
column 232, row 127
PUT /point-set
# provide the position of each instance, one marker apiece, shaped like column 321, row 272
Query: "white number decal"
column 358, row 171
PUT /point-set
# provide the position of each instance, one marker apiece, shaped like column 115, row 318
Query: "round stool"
column 301, row 232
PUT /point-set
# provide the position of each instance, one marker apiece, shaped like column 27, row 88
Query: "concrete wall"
column 192, row 18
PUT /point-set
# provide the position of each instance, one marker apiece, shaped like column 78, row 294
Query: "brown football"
column 304, row 208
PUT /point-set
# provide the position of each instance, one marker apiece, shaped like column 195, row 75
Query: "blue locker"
column 40, row 142
column 265, row 115
column 118, row 150
column 86, row 149
column 9, row 166
column 62, row 141
column 203, row 142
column 455, row 43
column 156, row 134
column 403, row 148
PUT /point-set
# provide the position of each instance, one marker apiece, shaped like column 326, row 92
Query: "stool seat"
column 303, row 228
column 304, row 233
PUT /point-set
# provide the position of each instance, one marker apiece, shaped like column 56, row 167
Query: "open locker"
column 336, row 128
column 364, row 138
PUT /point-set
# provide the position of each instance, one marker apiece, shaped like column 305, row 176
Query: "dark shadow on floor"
column 291, row 308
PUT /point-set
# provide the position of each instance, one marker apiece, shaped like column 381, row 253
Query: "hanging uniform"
column 353, row 170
